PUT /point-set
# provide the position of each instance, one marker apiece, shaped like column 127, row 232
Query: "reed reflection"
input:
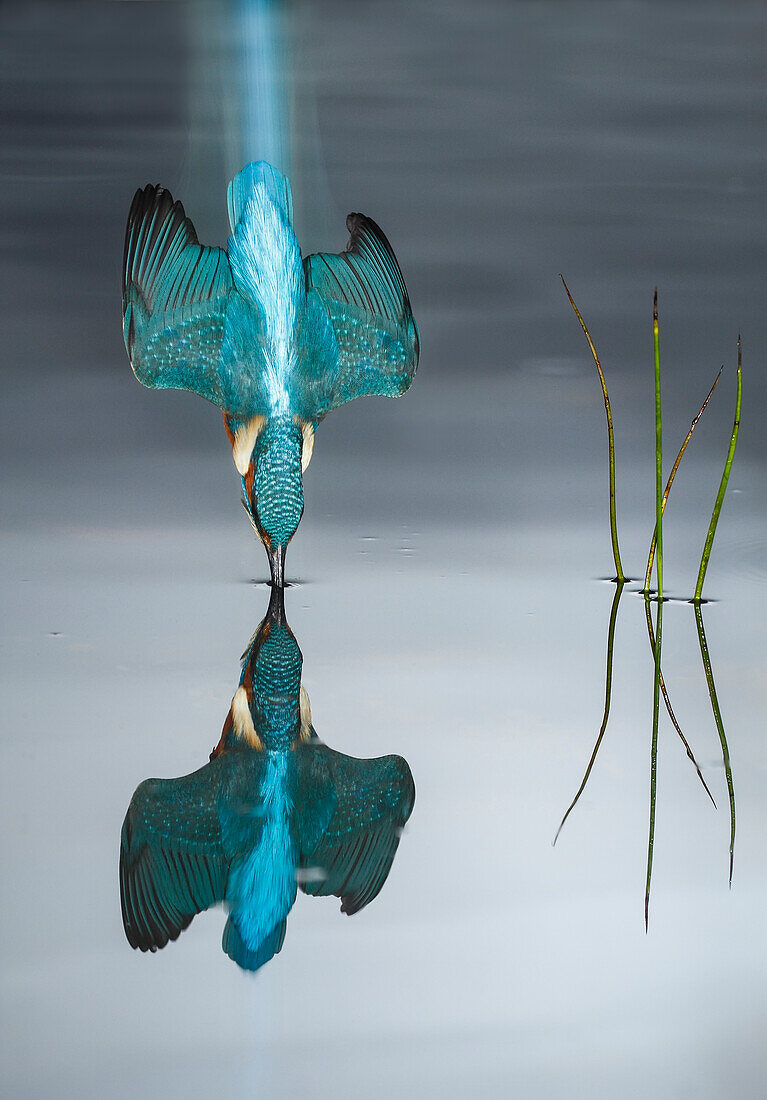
column 272, row 810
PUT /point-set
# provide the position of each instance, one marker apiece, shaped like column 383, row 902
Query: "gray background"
column 449, row 607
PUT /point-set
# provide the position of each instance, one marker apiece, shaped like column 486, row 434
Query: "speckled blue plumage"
column 257, row 330
column 260, row 819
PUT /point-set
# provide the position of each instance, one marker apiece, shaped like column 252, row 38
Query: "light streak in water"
column 263, row 107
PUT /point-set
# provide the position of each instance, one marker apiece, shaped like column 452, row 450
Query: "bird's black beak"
column 276, row 612
column 277, row 566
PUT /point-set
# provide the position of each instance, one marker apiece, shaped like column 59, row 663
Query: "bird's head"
column 271, row 455
column 270, row 708
column 272, row 676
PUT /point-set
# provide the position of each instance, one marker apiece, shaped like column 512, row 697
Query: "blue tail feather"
column 239, row 952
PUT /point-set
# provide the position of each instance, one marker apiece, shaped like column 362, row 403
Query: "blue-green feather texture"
column 256, row 330
column 278, row 485
column 366, row 299
column 373, row 800
column 175, row 297
column 271, row 677
column 245, row 827
column 262, row 816
column 261, row 887
column 174, row 859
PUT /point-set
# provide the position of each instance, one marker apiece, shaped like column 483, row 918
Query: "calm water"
column 448, row 605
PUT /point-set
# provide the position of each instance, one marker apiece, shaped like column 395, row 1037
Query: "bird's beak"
column 277, row 566
column 276, row 612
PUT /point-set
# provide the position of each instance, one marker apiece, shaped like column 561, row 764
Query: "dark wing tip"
column 377, row 273
column 359, row 225
column 161, row 887
column 153, row 213
column 154, row 911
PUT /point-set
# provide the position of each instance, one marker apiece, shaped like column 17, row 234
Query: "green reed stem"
column 699, row 614
column 619, row 574
column 658, row 630
column 672, row 475
column 653, row 759
column 657, row 541
column 722, row 486
column 719, row 726
column 608, row 692
column 648, row 573
column 670, row 710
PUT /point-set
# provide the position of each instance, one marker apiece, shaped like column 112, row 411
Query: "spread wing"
column 175, row 295
column 172, row 863
column 366, row 300
column 353, row 856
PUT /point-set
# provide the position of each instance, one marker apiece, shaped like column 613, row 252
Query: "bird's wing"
column 354, row 853
column 175, row 295
column 172, row 861
column 366, row 300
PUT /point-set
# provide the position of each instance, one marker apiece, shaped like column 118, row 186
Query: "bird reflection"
column 274, row 809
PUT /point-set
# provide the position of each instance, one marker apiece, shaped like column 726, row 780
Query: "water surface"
column 449, row 607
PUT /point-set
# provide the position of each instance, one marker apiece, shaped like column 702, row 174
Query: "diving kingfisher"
column 275, row 341
column 273, row 809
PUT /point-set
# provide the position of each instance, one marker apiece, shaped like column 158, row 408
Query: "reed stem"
column 697, row 599
column 653, row 759
column 650, row 557
column 606, row 713
column 672, row 475
column 722, row 486
column 619, row 574
column 669, row 708
column 659, row 620
column 719, row 726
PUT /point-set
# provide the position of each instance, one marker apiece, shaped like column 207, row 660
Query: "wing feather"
column 175, row 295
column 367, row 302
column 353, row 856
column 172, row 862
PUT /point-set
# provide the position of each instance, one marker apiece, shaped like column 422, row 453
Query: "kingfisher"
column 276, row 341
column 273, row 809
